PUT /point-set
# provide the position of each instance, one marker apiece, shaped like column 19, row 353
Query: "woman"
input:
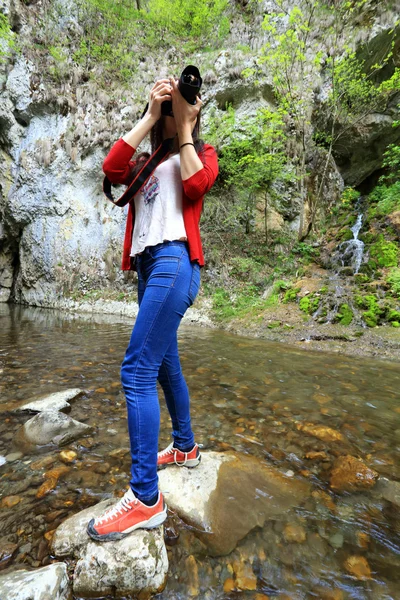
column 162, row 242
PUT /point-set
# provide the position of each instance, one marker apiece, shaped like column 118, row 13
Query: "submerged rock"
column 56, row 401
column 350, row 474
column 326, row 434
column 229, row 494
column 50, row 427
column 138, row 563
column 389, row 490
column 50, row 582
column 358, row 567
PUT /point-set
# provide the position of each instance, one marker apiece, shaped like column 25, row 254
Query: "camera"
column 189, row 85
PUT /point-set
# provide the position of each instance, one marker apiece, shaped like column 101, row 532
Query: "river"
column 248, row 395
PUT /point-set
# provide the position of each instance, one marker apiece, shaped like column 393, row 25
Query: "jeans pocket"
column 194, row 282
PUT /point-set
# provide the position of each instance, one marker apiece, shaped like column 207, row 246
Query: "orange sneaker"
column 127, row 515
column 173, row 456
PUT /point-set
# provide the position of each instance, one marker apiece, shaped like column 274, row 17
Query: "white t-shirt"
column 158, row 207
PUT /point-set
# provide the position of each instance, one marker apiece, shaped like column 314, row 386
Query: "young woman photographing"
column 163, row 244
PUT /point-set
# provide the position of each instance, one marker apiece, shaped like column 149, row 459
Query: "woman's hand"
column 160, row 92
column 185, row 114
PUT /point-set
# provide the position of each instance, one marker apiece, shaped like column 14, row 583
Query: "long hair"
column 156, row 138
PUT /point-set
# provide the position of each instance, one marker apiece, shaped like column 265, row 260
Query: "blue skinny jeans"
column 168, row 283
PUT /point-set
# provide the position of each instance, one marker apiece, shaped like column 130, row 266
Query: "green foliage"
column 345, row 315
column 291, row 295
column 349, row 197
column 309, row 304
column 185, row 18
column 386, row 253
column 386, row 199
column 374, row 311
column 7, row 41
column 393, row 315
column 251, row 157
column 306, row 251
column 394, row 280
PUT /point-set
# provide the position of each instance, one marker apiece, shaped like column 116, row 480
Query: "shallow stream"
column 247, row 395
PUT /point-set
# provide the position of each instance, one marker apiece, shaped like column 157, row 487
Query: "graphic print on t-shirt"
column 150, row 192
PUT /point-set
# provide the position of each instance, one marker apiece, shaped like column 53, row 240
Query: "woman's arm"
column 139, row 132
column 190, row 162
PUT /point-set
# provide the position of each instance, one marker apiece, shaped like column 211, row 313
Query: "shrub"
column 345, row 315
column 386, row 253
column 387, row 199
column 291, row 295
column 309, row 304
column 394, row 279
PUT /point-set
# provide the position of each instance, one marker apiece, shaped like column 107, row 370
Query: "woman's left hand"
column 184, row 112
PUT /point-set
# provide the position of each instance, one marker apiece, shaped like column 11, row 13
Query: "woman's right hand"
column 160, row 92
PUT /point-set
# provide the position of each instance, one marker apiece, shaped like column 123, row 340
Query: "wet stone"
column 137, row 563
column 358, row 567
column 49, row 582
column 211, row 497
column 56, row 401
column 351, row 474
column 50, row 427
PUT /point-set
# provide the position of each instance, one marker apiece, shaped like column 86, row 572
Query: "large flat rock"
column 55, row 401
column 228, row 494
column 138, row 563
column 47, row 583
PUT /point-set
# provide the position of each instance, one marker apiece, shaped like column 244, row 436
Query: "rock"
column 13, row 456
column 212, row 496
column 137, row 563
column 389, row 490
column 50, row 427
column 294, row 533
column 358, row 567
column 336, row 540
column 7, row 551
column 245, row 578
column 326, row 434
column 50, row 582
column 351, row 474
column 10, row 501
column 394, row 220
column 68, row 456
column 2, row 460
column 56, row 401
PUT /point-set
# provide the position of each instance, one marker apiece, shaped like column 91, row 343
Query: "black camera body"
column 189, row 85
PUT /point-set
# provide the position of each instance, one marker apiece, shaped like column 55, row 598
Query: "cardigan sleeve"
column 117, row 164
column 202, row 181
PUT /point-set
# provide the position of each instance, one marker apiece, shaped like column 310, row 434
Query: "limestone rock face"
column 229, row 494
column 50, row 427
column 48, row 583
column 351, row 474
column 126, row 567
column 57, row 401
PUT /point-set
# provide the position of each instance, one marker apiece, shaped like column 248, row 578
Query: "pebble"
column 10, row 501
column 336, row 540
column 358, row 567
column 351, row 474
column 67, row 456
column 13, row 456
column 294, row 533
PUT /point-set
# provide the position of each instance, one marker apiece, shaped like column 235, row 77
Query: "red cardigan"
column 118, row 167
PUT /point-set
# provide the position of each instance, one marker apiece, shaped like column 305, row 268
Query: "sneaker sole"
column 152, row 523
column 190, row 464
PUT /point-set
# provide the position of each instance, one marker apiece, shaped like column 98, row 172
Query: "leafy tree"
column 251, row 157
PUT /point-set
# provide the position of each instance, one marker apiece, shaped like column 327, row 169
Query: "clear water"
column 247, row 395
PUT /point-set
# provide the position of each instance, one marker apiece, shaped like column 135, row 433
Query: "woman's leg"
column 177, row 398
column 168, row 275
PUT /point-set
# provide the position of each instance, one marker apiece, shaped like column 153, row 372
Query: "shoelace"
column 168, row 450
column 124, row 504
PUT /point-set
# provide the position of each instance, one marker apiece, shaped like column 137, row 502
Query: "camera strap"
column 142, row 176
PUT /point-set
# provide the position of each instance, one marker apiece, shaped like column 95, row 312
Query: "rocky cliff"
column 58, row 233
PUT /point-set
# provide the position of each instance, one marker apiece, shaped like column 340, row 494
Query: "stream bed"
column 248, row 395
